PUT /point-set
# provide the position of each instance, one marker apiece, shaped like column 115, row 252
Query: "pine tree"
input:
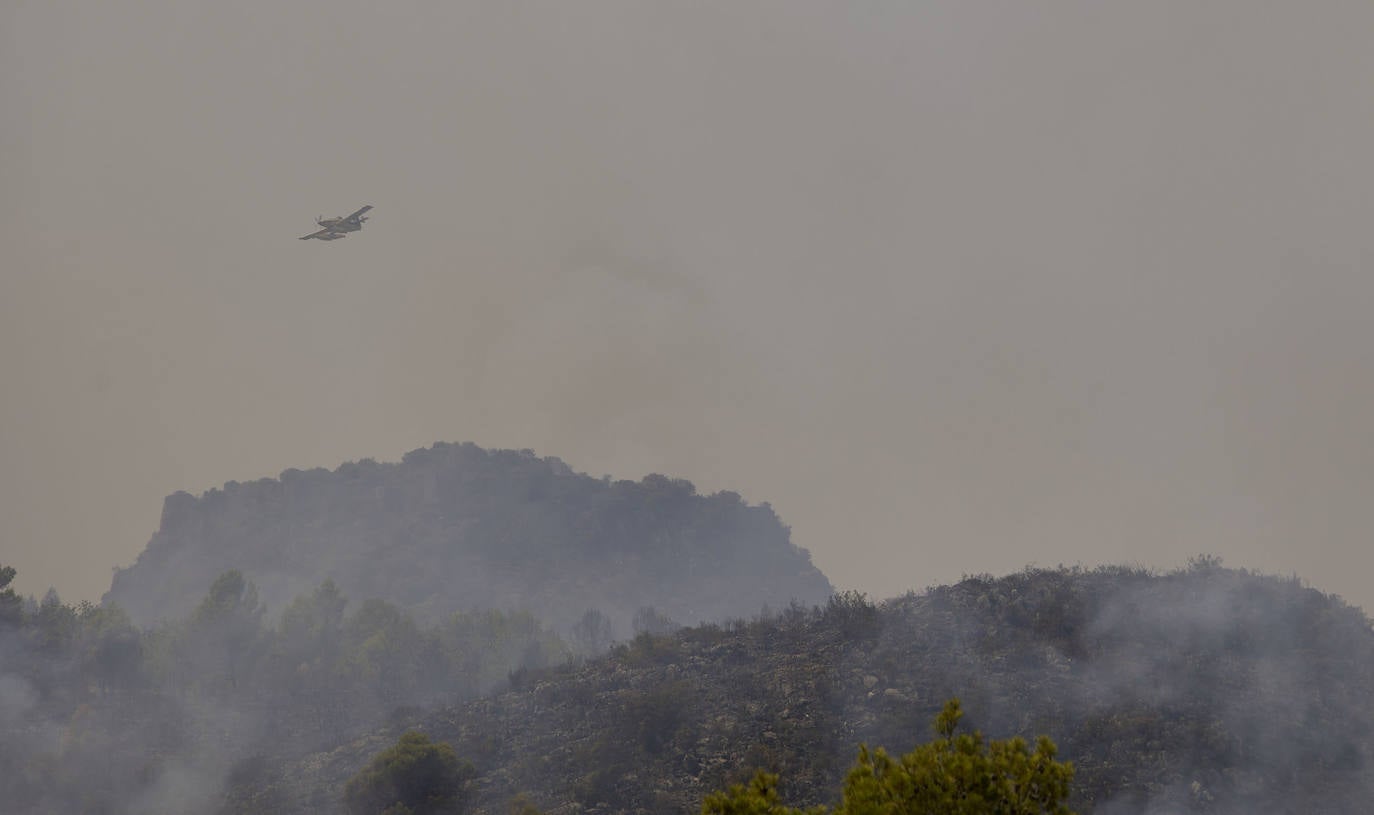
column 956, row 774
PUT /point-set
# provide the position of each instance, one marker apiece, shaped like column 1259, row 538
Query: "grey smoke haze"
column 956, row 287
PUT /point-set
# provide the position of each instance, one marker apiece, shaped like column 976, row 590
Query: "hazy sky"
column 956, row 286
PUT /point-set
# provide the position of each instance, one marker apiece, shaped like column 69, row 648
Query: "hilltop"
column 1204, row 690
column 455, row 527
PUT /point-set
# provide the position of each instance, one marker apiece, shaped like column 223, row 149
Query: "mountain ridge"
column 455, row 527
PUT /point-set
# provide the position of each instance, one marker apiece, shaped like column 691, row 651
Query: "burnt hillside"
column 1206, row 690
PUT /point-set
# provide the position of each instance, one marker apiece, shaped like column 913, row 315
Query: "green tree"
column 759, row 797
column 309, row 639
column 956, row 774
column 415, row 776
column 109, row 647
column 383, row 651
column 483, row 648
column 11, row 606
column 312, row 622
column 55, row 622
column 224, row 633
column 649, row 620
column 593, row 634
column 961, row 774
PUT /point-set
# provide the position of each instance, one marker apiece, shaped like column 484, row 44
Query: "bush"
column 415, row 776
column 853, row 614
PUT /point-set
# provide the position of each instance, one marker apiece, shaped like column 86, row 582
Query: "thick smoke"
column 1202, row 690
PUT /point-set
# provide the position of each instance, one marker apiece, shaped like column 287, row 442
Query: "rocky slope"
column 457, row 527
column 1207, row 690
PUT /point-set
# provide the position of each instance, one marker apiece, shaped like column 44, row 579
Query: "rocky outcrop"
column 457, row 527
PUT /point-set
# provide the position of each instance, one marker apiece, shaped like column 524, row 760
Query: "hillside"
column 455, row 527
column 1205, row 690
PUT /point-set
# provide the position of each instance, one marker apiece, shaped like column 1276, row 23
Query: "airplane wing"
column 355, row 215
column 324, row 235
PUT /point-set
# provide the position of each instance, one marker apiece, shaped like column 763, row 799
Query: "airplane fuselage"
column 334, row 228
column 339, row 224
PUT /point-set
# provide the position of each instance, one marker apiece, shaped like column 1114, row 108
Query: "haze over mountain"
column 955, row 286
column 454, row 527
column 1205, row 690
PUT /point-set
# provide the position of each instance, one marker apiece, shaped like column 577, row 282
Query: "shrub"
column 415, row 776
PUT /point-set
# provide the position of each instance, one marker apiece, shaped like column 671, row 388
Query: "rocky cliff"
column 456, row 527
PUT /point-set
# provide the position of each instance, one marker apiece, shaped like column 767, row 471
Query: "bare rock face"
column 456, row 527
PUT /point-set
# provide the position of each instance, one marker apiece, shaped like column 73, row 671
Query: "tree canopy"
column 416, row 776
column 11, row 607
column 956, row 774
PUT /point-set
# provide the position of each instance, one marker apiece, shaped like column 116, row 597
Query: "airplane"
column 335, row 228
